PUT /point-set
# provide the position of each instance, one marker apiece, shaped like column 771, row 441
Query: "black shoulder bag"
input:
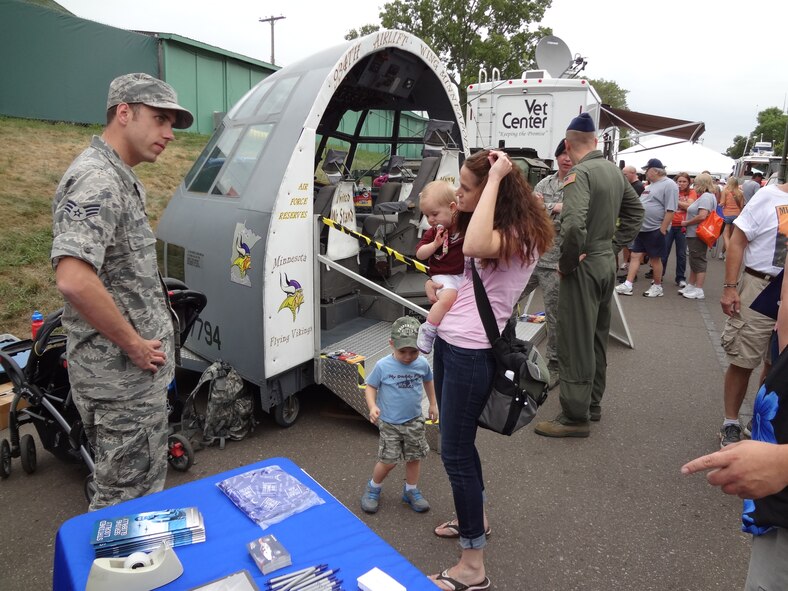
column 521, row 375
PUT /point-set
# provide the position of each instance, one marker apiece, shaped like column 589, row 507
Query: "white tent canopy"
column 681, row 157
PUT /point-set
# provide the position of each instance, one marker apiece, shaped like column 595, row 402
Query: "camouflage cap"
column 404, row 332
column 145, row 89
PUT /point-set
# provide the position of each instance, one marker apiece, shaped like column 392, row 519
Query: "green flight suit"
column 596, row 195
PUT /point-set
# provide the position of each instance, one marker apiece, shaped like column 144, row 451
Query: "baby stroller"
column 44, row 387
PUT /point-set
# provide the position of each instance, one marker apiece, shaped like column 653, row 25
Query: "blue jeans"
column 676, row 234
column 463, row 378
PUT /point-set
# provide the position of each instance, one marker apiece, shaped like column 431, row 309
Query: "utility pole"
column 272, row 20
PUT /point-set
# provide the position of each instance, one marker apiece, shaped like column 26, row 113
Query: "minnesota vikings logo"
column 244, row 259
column 295, row 294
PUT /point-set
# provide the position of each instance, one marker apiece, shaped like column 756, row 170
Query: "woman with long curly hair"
column 507, row 229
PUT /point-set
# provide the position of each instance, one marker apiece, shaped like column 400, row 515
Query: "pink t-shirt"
column 462, row 325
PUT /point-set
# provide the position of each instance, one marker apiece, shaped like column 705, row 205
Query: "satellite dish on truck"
column 553, row 55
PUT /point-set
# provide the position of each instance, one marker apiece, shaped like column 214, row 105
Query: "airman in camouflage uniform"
column 120, row 332
column 545, row 275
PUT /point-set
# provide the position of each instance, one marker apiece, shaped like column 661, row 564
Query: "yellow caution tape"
column 379, row 245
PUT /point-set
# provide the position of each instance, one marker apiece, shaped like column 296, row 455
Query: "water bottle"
column 36, row 322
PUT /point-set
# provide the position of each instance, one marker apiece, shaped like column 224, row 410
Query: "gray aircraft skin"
column 242, row 226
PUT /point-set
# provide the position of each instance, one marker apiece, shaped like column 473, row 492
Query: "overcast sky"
column 687, row 59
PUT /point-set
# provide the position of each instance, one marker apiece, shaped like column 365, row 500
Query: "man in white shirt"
column 759, row 241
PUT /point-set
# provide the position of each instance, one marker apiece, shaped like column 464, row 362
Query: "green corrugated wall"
column 58, row 67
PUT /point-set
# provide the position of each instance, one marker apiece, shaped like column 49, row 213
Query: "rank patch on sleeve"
column 570, row 178
column 80, row 213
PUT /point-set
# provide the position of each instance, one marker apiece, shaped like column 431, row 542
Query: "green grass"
column 34, row 157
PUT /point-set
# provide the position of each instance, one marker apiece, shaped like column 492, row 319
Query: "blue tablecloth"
column 327, row 533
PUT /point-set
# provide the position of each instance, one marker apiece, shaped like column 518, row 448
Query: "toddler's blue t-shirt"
column 399, row 388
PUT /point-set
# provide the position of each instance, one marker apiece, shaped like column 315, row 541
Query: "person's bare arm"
column 371, row 395
column 782, row 314
column 80, row 286
column 748, row 469
column 481, row 240
column 734, row 255
column 429, row 388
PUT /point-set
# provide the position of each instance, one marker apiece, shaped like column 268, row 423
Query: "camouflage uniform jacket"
column 552, row 189
column 99, row 217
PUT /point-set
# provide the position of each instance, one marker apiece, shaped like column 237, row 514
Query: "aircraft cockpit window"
column 249, row 102
column 413, row 125
column 212, row 159
column 276, row 99
column 235, row 175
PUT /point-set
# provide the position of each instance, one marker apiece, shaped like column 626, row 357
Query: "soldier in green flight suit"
column 596, row 194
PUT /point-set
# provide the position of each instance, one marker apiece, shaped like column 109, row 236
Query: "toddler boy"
column 393, row 393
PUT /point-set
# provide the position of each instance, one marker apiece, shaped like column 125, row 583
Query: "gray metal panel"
column 232, row 308
column 343, row 378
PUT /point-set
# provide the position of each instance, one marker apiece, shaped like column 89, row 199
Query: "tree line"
column 469, row 35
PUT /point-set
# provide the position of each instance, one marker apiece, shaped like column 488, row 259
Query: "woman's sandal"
column 455, row 530
column 445, row 579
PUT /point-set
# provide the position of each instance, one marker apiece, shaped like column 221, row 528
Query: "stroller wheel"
column 90, row 488
column 5, row 459
column 28, row 453
column 180, row 453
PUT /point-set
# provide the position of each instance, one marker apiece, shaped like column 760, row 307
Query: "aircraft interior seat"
column 388, row 192
column 402, row 234
column 323, row 200
column 333, row 284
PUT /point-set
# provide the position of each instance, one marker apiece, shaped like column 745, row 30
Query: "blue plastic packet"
column 268, row 495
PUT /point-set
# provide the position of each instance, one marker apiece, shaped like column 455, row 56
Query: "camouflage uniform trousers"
column 129, row 440
column 405, row 442
column 549, row 280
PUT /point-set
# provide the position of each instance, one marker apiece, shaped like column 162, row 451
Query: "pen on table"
column 330, row 584
column 309, row 583
column 325, row 587
column 323, row 575
column 295, row 581
column 289, row 576
column 288, row 582
column 322, row 583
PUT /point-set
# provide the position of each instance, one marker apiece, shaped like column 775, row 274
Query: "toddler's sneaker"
column 655, row 291
column 370, row 499
column 624, row 289
column 413, row 498
column 696, row 293
column 426, row 337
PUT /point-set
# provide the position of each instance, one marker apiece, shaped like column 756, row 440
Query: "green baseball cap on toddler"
column 144, row 88
column 404, row 332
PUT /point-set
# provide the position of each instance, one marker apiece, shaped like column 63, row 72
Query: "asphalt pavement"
column 608, row 512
